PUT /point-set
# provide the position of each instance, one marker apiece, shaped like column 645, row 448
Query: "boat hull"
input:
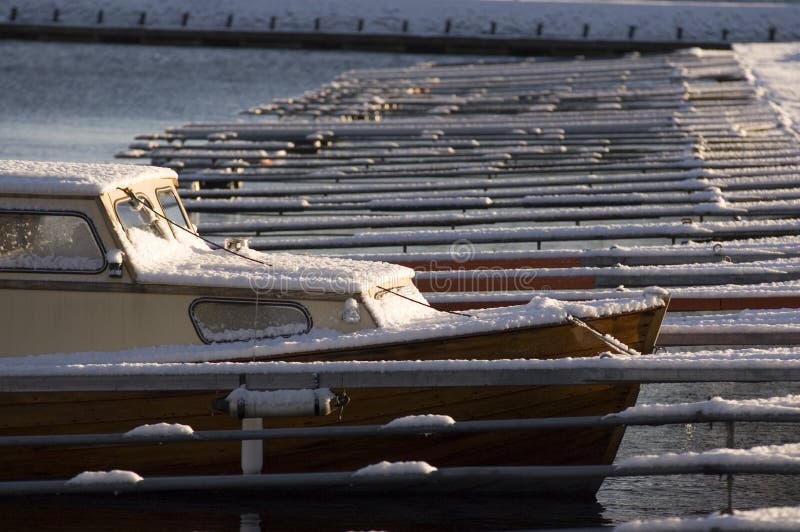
column 104, row 412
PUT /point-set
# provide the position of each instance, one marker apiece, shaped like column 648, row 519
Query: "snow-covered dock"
column 439, row 25
column 497, row 178
column 577, row 179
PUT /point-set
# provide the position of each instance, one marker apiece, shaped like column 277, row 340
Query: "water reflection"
column 83, row 102
column 632, row 498
column 253, row 511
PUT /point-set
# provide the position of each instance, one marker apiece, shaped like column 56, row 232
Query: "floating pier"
column 573, row 178
column 576, row 179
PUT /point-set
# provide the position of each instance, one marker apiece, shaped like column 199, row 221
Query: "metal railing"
column 751, row 366
column 387, row 374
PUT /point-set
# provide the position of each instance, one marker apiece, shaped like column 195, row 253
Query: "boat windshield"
column 133, row 215
column 172, row 207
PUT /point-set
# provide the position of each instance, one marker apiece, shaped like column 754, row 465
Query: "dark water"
column 83, row 102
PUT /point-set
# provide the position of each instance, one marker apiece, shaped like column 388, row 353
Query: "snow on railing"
column 781, row 460
column 412, row 476
column 716, row 410
column 778, row 519
column 733, row 365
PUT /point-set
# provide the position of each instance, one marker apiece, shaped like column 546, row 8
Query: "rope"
column 616, row 345
column 389, row 290
column 133, row 196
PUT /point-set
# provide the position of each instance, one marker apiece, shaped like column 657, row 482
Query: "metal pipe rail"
column 666, row 230
column 596, row 258
column 495, row 212
column 346, row 181
column 482, row 479
column 358, row 431
column 365, row 172
column 692, row 202
column 484, row 187
column 483, row 176
column 721, row 273
column 277, row 224
column 282, row 375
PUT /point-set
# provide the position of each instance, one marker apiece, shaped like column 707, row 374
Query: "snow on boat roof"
column 32, row 177
column 190, row 261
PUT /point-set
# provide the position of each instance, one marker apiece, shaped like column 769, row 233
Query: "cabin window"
column 49, row 242
column 172, row 207
column 132, row 215
column 234, row 320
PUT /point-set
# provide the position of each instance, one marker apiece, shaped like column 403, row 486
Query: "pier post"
column 729, row 479
column 252, row 450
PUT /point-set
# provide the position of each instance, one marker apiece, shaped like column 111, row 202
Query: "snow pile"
column 772, row 67
column 414, row 321
column 617, row 346
column 717, row 406
column 386, row 469
column 775, row 519
column 397, row 307
column 421, row 421
column 350, row 313
column 160, row 430
column 248, row 334
column 112, row 478
column 191, row 261
column 115, row 256
column 29, row 177
column 279, row 402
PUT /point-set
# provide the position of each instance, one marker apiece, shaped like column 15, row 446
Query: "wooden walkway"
column 494, row 179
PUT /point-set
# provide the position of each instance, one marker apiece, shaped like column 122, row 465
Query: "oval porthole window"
column 237, row 320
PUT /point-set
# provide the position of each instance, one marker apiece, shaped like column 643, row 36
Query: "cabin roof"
column 30, row 177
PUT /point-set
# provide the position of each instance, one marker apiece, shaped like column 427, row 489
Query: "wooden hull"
column 100, row 412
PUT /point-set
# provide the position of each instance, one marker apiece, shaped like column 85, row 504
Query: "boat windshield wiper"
column 137, row 201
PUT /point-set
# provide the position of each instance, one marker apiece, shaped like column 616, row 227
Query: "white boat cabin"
column 98, row 257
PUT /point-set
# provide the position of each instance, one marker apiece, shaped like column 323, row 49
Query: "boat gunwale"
column 648, row 340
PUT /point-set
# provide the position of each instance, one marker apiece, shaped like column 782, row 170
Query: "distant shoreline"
column 392, row 43
column 421, row 26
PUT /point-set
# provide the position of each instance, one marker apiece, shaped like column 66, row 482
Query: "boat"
column 101, row 263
